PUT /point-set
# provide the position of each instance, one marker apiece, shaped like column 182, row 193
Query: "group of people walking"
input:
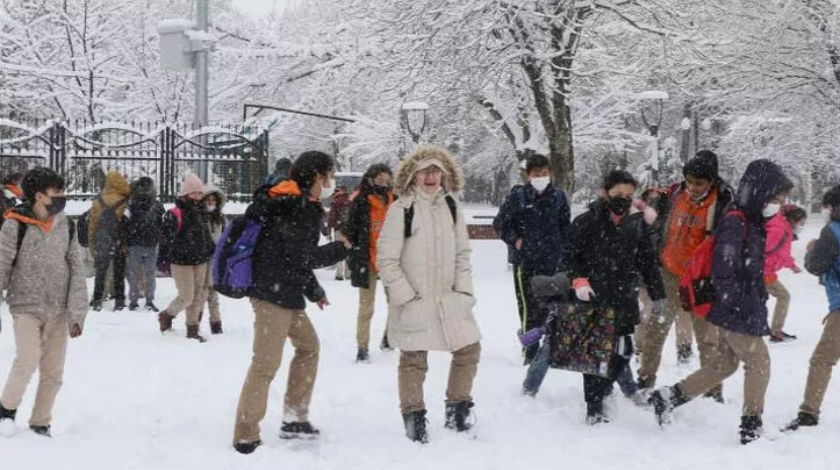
column 407, row 231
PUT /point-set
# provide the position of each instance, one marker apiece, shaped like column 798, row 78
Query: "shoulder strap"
column 835, row 227
column 779, row 246
column 408, row 216
column 453, row 208
column 520, row 197
column 21, row 233
column 176, row 211
column 710, row 216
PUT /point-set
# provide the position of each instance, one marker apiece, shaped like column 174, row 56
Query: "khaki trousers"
column 654, row 332
column 825, row 357
column 39, row 345
column 412, row 373
column 191, row 282
column 778, row 290
column 367, row 300
column 272, row 325
column 707, row 344
column 731, row 349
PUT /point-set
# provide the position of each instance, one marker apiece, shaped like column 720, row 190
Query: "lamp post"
column 654, row 126
column 413, row 119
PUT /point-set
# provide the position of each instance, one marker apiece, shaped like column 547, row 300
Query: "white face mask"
column 540, row 183
column 771, row 209
column 327, row 191
column 798, row 229
column 210, row 207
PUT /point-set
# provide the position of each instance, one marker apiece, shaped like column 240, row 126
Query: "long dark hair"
column 215, row 217
column 366, row 186
column 308, row 166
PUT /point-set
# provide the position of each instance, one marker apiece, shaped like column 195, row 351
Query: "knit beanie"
column 704, row 165
column 191, row 184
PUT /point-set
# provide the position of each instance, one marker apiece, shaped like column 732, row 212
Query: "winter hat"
column 191, row 184
column 422, row 165
column 704, row 165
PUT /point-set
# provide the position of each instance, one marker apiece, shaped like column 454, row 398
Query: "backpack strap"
column 779, row 246
column 179, row 217
column 453, row 207
column 21, row 233
column 710, row 215
column 408, row 214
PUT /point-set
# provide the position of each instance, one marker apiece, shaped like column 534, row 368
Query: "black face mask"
column 381, row 190
column 619, row 205
column 57, row 205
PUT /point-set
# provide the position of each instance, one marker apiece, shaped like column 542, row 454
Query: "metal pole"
column 202, row 78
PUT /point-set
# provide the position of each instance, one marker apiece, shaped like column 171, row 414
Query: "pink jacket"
column 779, row 243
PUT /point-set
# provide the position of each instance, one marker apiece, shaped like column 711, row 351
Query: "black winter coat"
column 145, row 220
column 192, row 244
column 541, row 221
column 287, row 251
column 357, row 231
column 612, row 257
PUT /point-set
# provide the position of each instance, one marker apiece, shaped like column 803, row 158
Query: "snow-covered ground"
column 134, row 398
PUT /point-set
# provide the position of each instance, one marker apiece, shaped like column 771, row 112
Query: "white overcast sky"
column 258, row 8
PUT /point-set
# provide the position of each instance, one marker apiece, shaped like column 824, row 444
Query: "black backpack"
column 108, row 228
column 147, row 223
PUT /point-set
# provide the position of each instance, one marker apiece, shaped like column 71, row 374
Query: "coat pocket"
column 414, row 316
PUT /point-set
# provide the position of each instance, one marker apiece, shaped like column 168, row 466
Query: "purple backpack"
column 232, row 266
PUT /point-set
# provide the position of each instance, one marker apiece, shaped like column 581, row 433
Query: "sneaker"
column 133, row 306
column 415, row 426
column 802, row 419
column 151, row 307
column 41, row 430
column 458, row 415
column 782, row 338
column 296, row 430
column 751, row 429
column 684, row 354
column 245, row 447
column 363, row 356
column 119, row 305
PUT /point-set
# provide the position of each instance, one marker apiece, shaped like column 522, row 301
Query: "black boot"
column 457, row 415
column 363, row 356
column 595, row 413
column 7, row 413
column 665, row 400
column 133, row 306
column 119, row 305
column 802, row 419
column 750, row 428
column 716, row 395
column 216, row 328
column 684, row 354
column 244, row 447
column 415, row 426
column 385, row 345
column 41, row 430
column 295, row 430
column 150, row 306
column 96, row 305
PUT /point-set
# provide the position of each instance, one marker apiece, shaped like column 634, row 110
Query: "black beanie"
column 704, row 165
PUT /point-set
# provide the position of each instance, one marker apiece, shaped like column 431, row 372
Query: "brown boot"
column 165, row 320
column 192, row 333
column 216, row 327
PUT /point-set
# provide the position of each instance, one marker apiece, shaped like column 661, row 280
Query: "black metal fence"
column 234, row 157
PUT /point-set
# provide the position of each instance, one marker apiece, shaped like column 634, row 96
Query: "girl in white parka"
column 424, row 263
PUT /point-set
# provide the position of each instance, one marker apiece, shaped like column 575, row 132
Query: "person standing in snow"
column 44, row 276
column 609, row 250
column 533, row 222
column 696, row 207
column 738, row 318
column 145, row 219
column 339, row 206
column 365, row 218
column 214, row 201
column 781, row 233
column 424, row 263
column 190, row 245
column 823, row 260
column 285, row 256
column 108, row 238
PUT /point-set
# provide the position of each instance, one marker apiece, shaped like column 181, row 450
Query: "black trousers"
column 101, row 260
column 595, row 387
column 531, row 313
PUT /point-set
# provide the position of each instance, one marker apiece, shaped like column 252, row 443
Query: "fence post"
column 58, row 148
column 164, row 158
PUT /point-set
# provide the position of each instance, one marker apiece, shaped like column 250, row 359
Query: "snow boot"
column 41, row 430
column 245, row 447
column 665, row 400
column 96, row 305
column 458, row 414
column 684, row 354
column 750, row 428
column 165, row 320
column 119, row 305
column 415, row 426
column 7, row 422
column 595, row 413
column 802, row 419
column 385, row 345
column 133, row 306
column 363, row 356
column 192, row 333
column 7, row 413
column 296, row 430
column 643, row 384
column 151, row 307
column 715, row 394
column 216, row 328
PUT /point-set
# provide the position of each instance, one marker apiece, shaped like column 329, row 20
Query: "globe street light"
column 413, row 117
column 653, row 127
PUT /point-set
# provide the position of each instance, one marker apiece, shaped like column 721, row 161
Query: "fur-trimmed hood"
column 453, row 180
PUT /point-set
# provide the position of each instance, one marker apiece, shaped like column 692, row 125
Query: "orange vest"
column 378, row 211
column 689, row 223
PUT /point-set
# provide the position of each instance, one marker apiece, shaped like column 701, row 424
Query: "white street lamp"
column 414, row 119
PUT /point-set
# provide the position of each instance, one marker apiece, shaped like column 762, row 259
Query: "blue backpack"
column 232, row 264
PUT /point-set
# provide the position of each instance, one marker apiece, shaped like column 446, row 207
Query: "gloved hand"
column 657, row 310
column 582, row 289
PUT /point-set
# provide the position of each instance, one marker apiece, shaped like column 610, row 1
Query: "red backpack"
column 696, row 291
